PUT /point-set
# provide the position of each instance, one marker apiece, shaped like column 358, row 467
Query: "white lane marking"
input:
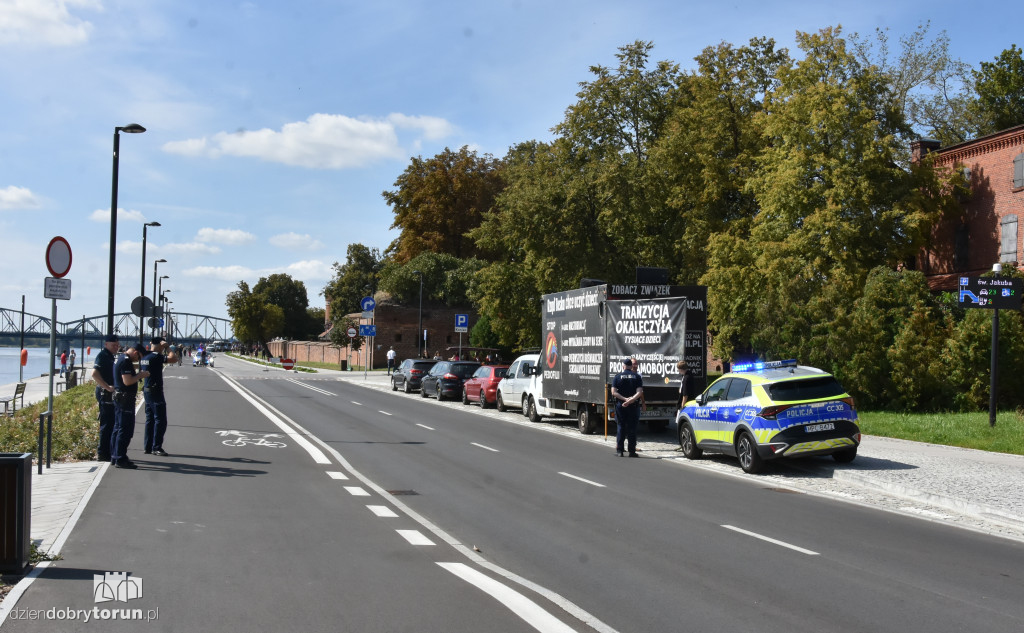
column 358, row 404
column 429, row 428
column 357, row 491
column 415, row 537
column 317, row 389
column 531, row 612
column 337, row 475
column 488, row 448
column 384, row 412
column 383, row 511
column 586, row 481
column 300, row 439
column 771, row 540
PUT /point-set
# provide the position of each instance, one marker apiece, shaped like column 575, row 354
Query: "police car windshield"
column 805, row 389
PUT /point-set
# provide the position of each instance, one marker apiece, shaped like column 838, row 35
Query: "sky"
column 273, row 126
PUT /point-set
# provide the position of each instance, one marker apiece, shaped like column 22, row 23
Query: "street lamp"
column 419, row 330
column 131, row 128
column 164, row 302
column 142, row 291
column 155, row 263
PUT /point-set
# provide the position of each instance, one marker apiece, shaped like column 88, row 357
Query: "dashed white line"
column 771, row 540
column 531, row 612
column 336, row 475
column 415, row 537
column 486, row 448
column 383, row 511
column 384, row 412
column 586, row 481
column 358, row 404
column 429, row 428
column 357, row 491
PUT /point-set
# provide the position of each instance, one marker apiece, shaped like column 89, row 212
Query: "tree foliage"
column 290, row 295
column 353, row 280
column 253, row 318
column 1000, row 88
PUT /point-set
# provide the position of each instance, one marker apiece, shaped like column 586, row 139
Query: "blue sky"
column 273, row 127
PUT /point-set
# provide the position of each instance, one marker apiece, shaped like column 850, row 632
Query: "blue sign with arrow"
column 367, row 304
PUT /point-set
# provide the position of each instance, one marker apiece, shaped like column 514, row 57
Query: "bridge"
column 179, row 327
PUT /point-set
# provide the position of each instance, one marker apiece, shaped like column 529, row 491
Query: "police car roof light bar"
column 762, row 365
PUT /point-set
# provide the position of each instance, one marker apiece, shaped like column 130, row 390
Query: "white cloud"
column 123, row 215
column 231, row 237
column 18, row 197
column 310, row 270
column 46, row 22
column 296, row 242
column 187, row 248
column 323, row 141
column 223, row 273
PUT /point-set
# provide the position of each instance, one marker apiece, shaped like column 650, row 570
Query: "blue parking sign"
column 461, row 322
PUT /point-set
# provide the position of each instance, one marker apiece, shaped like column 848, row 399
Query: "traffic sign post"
column 58, row 262
column 461, row 325
column 287, row 363
column 993, row 293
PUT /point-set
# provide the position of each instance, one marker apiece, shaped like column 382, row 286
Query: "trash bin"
column 344, row 365
column 15, row 511
column 72, row 380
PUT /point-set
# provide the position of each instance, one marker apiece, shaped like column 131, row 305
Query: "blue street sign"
column 461, row 322
column 367, row 304
column 367, row 330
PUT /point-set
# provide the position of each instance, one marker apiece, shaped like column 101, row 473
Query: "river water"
column 38, row 362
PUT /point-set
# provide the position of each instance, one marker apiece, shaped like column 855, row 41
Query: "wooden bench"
column 11, row 402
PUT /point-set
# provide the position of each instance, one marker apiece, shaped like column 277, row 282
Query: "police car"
column 771, row 410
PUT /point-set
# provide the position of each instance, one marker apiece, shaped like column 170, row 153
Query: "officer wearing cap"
column 103, row 376
column 126, row 388
column 153, row 392
column 628, row 391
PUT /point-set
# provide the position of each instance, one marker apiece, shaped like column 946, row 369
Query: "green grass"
column 75, row 426
column 967, row 430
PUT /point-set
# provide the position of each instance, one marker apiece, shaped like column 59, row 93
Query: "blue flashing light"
column 762, row 365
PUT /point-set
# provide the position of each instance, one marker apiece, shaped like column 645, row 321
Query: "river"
column 38, row 362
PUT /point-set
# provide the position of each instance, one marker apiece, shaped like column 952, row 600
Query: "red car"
column 482, row 386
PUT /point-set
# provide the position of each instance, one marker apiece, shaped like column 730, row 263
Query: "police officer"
column 153, row 392
column 103, row 376
column 126, row 388
column 628, row 391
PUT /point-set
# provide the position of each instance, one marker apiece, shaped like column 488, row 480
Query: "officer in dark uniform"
column 153, row 392
column 126, row 388
column 628, row 391
column 103, row 376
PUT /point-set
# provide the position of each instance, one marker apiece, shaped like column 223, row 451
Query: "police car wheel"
column 501, row 404
column 746, row 451
column 845, row 456
column 688, row 442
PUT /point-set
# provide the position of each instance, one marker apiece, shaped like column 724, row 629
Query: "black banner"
column 650, row 331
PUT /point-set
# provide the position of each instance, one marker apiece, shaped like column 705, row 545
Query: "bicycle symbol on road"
column 243, row 438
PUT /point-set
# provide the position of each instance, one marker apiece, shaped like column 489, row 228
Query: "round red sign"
column 287, row 363
column 58, row 257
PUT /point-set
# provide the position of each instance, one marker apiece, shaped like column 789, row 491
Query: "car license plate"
column 814, row 428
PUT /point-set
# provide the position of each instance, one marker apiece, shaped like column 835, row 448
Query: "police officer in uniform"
column 628, row 391
column 126, row 388
column 153, row 392
column 103, row 376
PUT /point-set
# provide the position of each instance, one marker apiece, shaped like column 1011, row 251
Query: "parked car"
column 409, row 374
column 446, row 377
column 482, row 387
column 517, row 379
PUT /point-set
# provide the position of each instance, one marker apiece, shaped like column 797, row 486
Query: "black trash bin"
column 15, row 511
column 344, row 365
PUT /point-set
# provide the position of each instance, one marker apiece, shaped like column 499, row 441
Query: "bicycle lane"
column 232, row 531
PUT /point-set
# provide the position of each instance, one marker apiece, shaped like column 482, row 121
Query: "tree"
column 437, row 201
column 1000, row 88
column 339, row 333
column 446, row 279
column 356, row 279
column 290, row 295
column 253, row 318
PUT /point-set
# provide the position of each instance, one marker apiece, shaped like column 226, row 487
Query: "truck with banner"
column 587, row 333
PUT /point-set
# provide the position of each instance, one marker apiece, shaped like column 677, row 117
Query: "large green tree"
column 253, row 318
column 353, row 280
column 1000, row 88
column 437, row 201
column 290, row 295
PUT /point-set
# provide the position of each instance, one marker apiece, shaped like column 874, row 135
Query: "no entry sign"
column 287, row 363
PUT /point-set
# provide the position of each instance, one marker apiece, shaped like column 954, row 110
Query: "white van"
column 516, row 383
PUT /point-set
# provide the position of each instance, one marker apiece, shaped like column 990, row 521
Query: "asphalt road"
column 527, row 530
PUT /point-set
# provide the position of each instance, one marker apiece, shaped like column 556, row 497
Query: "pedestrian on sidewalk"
column 63, row 363
column 391, row 360
column 153, row 392
column 628, row 391
column 103, row 376
column 71, row 360
column 126, row 390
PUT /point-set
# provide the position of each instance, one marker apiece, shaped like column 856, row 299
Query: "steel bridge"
column 179, row 327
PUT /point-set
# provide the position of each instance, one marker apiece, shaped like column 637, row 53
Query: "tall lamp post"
column 419, row 330
column 131, row 128
column 155, row 294
column 165, row 302
column 142, row 291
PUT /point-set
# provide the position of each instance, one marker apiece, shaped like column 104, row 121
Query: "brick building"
column 987, row 231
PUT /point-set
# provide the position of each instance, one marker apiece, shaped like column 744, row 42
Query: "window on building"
column 1008, row 238
column 1018, row 171
column 960, row 251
